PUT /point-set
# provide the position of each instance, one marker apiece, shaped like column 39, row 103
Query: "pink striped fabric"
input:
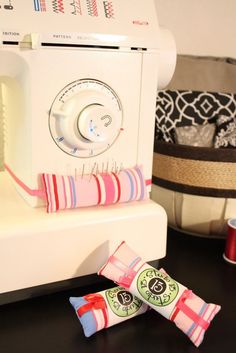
column 193, row 316
column 65, row 192
column 156, row 288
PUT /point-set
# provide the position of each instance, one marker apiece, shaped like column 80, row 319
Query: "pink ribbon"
column 182, row 306
column 32, row 192
column 129, row 273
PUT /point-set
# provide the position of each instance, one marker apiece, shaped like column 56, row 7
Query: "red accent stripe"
column 54, row 179
column 148, row 182
column 99, row 189
column 109, row 188
column 118, row 187
column 230, row 247
column 174, row 314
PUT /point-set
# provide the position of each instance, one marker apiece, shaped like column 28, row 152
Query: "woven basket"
column 196, row 186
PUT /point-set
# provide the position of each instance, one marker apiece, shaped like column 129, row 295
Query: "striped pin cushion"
column 66, row 192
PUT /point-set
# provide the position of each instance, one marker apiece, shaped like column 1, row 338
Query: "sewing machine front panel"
column 112, row 78
column 106, row 77
column 84, row 95
column 78, row 83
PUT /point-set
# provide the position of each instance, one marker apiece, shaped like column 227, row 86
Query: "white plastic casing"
column 43, row 51
column 126, row 51
column 39, row 248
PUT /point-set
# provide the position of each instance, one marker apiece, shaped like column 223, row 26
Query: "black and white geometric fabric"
column 225, row 132
column 181, row 108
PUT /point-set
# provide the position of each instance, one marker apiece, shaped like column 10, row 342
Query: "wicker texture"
column 218, row 175
column 195, row 170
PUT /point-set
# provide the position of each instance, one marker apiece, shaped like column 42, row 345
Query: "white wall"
column 200, row 27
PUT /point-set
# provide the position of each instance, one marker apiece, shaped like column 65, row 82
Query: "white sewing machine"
column 63, row 64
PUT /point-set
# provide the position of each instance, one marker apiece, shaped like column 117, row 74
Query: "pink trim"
column 128, row 272
column 98, row 189
column 32, row 192
column 118, row 264
column 181, row 306
column 199, row 324
column 109, row 188
column 126, row 281
column 61, row 196
column 64, row 191
column 45, row 188
column 108, row 260
column 135, row 182
column 116, row 176
column 49, row 192
column 71, row 195
column 212, row 314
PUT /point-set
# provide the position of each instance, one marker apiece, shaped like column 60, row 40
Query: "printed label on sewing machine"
column 67, row 37
column 11, row 34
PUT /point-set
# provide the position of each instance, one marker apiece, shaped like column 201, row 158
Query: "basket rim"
column 190, row 170
column 195, row 153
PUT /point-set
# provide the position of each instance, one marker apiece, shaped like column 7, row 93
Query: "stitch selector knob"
column 85, row 118
column 96, row 123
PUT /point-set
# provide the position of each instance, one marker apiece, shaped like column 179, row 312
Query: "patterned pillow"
column 225, row 132
column 176, row 108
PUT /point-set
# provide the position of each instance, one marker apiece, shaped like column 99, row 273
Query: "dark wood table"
column 48, row 323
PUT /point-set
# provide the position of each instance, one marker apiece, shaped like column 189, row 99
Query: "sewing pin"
column 121, row 167
column 107, row 166
column 75, row 174
column 82, row 172
column 92, row 171
column 112, row 168
column 117, row 169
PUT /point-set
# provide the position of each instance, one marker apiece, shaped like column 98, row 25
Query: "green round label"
column 121, row 302
column 157, row 287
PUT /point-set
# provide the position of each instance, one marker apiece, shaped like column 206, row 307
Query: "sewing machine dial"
column 85, row 118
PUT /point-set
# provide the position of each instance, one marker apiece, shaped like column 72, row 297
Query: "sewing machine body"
column 55, row 75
